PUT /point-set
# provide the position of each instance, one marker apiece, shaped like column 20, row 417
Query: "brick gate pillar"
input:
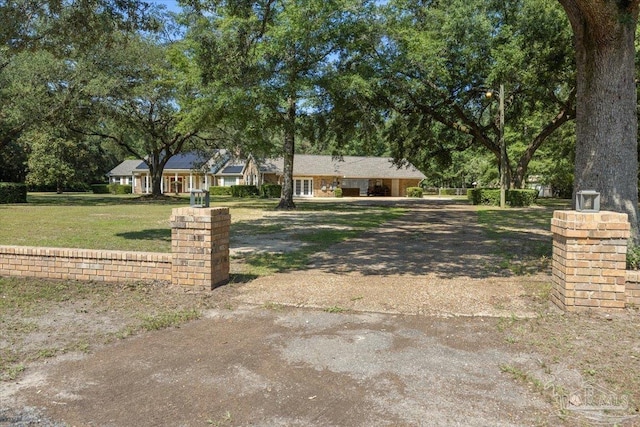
column 589, row 260
column 200, row 247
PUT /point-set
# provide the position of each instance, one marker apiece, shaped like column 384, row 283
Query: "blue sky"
column 171, row 5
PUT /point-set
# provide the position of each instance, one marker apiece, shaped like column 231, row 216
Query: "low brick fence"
column 589, row 262
column 199, row 259
column 84, row 264
column 632, row 288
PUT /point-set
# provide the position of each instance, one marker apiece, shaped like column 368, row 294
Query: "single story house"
column 319, row 175
column 123, row 173
column 313, row 175
column 182, row 173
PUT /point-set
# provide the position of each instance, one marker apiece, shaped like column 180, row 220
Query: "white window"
column 303, row 187
column 228, row 181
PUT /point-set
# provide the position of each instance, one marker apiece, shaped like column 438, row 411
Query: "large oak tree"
column 606, row 122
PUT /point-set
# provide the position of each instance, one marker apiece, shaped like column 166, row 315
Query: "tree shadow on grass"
column 158, row 234
column 446, row 241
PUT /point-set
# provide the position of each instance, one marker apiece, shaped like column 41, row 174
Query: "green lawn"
column 132, row 223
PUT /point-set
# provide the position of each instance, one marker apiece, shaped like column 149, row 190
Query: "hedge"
column 491, row 197
column 117, row 188
column 11, row 192
column 270, row 191
column 337, row 192
column 220, row 191
column 100, row 188
column 414, row 192
column 244, row 190
column 522, row 197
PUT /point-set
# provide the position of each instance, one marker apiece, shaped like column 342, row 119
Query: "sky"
column 171, row 5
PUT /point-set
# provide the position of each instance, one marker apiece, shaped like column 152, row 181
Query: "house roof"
column 346, row 166
column 182, row 161
column 125, row 168
column 232, row 168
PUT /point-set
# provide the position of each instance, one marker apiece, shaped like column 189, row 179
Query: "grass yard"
column 522, row 236
column 133, row 223
column 102, row 221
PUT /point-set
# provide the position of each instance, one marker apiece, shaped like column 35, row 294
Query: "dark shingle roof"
column 347, row 166
column 182, row 161
column 125, row 168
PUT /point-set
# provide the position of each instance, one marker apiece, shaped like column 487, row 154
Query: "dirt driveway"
column 399, row 327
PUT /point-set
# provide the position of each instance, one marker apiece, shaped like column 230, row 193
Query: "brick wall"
column 199, row 257
column 84, row 264
column 632, row 289
column 589, row 260
column 200, row 247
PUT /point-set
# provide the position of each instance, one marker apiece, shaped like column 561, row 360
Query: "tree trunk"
column 156, row 168
column 286, row 201
column 606, row 120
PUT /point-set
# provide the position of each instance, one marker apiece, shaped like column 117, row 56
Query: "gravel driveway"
column 396, row 328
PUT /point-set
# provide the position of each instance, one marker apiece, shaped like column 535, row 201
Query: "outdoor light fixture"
column 199, row 199
column 588, row 201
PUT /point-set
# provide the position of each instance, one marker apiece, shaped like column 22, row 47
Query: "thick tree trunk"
column 606, row 120
column 286, row 201
column 156, row 168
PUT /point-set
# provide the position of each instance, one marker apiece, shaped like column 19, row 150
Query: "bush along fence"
column 589, row 262
column 199, row 258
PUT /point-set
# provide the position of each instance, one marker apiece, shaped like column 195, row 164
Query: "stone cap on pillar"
column 596, row 225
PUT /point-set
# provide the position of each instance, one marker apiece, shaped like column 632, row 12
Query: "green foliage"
column 491, row 197
column 11, row 192
column 244, row 191
column 520, row 198
column 484, row 196
column 337, row 192
column 270, row 191
column 440, row 110
column 117, row 188
column 447, row 191
column 414, row 192
column 100, row 188
column 633, row 256
column 219, row 191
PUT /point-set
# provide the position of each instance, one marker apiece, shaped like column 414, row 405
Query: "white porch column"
column 162, row 185
column 190, row 181
column 147, row 180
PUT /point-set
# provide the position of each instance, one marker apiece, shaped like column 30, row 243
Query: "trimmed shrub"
column 117, row 188
column 12, row 192
column 448, row 191
column 491, row 197
column 270, row 191
column 414, row 192
column 124, row 189
column 484, row 196
column 100, row 188
column 220, row 191
column 522, row 197
column 244, row 191
column 337, row 192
